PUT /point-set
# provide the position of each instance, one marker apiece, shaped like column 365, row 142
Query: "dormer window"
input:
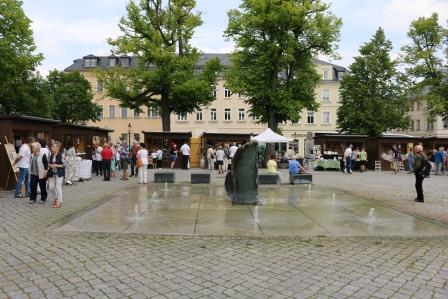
column 125, row 61
column 90, row 62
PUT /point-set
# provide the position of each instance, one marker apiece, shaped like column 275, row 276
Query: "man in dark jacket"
column 420, row 157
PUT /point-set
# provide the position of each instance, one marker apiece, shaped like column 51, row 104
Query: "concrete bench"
column 298, row 179
column 164, row 176
column 268, row 179
column 200, row 178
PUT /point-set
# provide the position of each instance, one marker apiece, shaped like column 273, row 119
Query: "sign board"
column 12, row 155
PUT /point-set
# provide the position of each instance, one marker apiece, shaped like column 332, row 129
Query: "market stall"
column 164, row 141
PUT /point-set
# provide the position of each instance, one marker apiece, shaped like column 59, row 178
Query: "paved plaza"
column 38, row 259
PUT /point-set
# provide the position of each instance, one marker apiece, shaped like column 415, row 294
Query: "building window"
column 430, row 125
column 417, row 127
column 92, row 62
column 199, row 115
column 214, row 92
column 310, row 117
column 240, row 95
column 241, row 114
column 254, row 117
column 213, row 114
column 112, row 62
column 99, row 85
column 153, row 112
column 418, row 105
column 227, row 115
column 182, row 116
column 136, row 113
column 124, row 137
column 124, row 112
column 326, row 95
column 445, row 123
column 412, row 125
column 326, row 118
column 325, row 75
column 101, row 111
column 111, row 111
column 124, row 61
column 227, row 93
column 137, row 137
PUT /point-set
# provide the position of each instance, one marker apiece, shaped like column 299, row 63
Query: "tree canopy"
column 158, row 34
column 18, row 61
column 273, row 62
column 426, row 66
column 71, row 97
column 372, row 95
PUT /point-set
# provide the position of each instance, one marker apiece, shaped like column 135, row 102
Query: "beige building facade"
column 228, row 114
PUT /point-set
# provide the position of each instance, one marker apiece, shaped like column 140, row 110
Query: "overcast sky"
column 65, row 29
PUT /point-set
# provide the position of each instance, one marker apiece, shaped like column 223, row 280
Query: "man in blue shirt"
column 295, row 167
column 439, row 159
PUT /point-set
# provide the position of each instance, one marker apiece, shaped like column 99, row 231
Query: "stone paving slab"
column 35, row 262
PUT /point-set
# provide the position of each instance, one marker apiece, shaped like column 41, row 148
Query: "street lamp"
column 129, row 134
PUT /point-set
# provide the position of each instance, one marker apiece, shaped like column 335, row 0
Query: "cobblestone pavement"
column 36, row 262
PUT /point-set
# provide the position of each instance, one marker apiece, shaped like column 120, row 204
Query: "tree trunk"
column 166, row 113
column 273, row 125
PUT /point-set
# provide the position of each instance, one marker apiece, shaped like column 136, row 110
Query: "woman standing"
column 113, row 165
column 38, row 171
column 124, row 160
column 173, row 155
column 142, row 156
column 56, row 174
column 71, row 171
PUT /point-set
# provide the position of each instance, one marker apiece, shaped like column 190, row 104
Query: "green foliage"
column 158, row 34
column 425, row 62
column 17, row 62
column 372, row 98
column 273, row 62
column 71, row 98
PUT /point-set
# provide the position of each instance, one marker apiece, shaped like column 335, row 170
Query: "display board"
column 12, row 155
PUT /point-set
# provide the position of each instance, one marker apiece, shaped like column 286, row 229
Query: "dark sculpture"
column 241, row 181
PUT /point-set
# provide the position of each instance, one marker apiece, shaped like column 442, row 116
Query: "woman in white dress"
column 142, row 156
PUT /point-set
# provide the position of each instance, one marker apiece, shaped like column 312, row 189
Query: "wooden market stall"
column 164, row 141
column 380, row 148
column 15, row 128
column 430, row 143
column 333, row 144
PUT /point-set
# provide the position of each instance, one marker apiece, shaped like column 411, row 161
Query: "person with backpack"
column 422, row 168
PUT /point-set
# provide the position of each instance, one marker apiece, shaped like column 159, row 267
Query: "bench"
column 164, row 176
column 298, row 179
column 200, row 178
column 268, row 179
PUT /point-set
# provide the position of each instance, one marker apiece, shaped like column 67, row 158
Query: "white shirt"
column 154, row 155
column 348, row 152
column 233, row 150
column 185, row 149
column 159, row 155
column 46, row 152
column 98, row 152
column 220, row 155
column 25, row 153
column 143, row 155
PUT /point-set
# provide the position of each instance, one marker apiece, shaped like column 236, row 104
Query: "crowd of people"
column 220, row 157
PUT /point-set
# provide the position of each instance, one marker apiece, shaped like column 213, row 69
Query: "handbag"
column 139, row 163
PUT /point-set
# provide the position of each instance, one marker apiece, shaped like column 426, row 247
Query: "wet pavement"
column 283, row 211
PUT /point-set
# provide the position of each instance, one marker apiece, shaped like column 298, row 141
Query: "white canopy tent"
column 270, row 136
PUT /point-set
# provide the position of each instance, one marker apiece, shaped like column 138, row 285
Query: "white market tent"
column 270, row 136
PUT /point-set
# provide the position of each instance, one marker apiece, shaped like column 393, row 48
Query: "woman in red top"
column 107, row 156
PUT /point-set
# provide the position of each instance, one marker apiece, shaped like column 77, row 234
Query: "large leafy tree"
column 273, row 65
column 372, row 100
column 17, row 61
column 425, row 63
column 158, row 34
column 71, row 98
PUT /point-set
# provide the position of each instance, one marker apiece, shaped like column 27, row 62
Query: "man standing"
column 232, row 152
column 98, row 160
column 420, row 160
column 22, row 161
column 107, row 156
column 363, row 160
column 410, row 158
column 348, row 159
column 185, row 149
column 134, row 151
column 439, row 159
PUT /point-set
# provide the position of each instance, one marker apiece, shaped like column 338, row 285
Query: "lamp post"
column 129, row 134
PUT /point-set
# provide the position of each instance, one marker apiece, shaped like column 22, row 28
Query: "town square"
column 223, row 149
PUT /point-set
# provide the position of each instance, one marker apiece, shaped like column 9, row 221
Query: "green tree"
column 273, row 62
column 17, row 59
column 71, row 95
column 158, row 34
column 425, row 62
column 372, row 100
